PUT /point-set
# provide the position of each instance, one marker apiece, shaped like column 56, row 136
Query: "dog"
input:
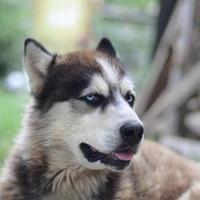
column 82, row 140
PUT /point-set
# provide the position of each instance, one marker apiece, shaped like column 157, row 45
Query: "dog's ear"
column 36, row 62
column 106, row 46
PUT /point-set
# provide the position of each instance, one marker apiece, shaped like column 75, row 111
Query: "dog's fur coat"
column 47, row 164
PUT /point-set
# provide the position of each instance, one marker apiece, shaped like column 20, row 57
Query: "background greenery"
column 12, row 107
column 132, row 3
column 15, row 22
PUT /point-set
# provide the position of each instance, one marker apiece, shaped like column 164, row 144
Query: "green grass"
column 11, row 109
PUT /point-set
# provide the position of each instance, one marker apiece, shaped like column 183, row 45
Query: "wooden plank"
column 162, row 58
column 170, row 54
column 173, row 97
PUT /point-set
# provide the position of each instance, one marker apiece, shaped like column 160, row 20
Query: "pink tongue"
column 124, row 156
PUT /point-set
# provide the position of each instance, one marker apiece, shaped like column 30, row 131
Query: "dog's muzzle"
column 131, row 135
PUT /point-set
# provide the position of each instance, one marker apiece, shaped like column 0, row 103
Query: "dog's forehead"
column 90, row 59
column 89, row 62
column 100, row 71
column 81, row 60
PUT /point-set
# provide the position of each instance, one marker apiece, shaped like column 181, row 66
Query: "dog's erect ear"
column 36, row 62
column 106, row 46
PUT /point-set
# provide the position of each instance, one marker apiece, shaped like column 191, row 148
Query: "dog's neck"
column 77, row 183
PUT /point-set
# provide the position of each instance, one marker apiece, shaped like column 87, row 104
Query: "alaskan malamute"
column 81, row 135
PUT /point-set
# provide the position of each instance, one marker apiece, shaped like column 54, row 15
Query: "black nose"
column 131, row 133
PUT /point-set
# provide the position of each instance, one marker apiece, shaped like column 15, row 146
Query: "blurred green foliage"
column 135, row 3
column 14, row 25
column 11, row 106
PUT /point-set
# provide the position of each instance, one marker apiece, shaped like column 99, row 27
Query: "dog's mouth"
column 119, row 159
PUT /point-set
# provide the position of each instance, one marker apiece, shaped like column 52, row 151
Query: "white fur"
column 110, row 72
column 126, row 85
column 97, row 85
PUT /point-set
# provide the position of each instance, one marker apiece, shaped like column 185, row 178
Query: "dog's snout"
column 131, row 133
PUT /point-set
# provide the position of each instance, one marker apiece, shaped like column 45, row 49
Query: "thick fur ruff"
column 155, row 173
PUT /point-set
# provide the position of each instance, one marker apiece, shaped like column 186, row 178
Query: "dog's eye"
column 92, row 99
column 130, row 98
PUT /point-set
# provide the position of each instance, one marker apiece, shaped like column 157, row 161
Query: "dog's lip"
column 123, row 152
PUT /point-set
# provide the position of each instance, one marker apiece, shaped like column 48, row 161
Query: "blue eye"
column 130, row 98
column 91, row 97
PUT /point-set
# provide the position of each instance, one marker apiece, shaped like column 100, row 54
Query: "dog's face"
column 85, row 104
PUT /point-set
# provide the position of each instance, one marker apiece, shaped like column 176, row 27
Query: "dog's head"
column 84, row 102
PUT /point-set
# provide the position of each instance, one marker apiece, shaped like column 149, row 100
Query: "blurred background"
column 159, row 40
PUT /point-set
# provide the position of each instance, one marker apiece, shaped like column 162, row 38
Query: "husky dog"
column 81, row 135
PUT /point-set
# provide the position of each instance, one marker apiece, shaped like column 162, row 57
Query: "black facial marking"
column 64, row 82
column 29, row 40
column 106, row 46
column 110, row 99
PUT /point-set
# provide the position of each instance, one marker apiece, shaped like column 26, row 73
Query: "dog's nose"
column 132, row 133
